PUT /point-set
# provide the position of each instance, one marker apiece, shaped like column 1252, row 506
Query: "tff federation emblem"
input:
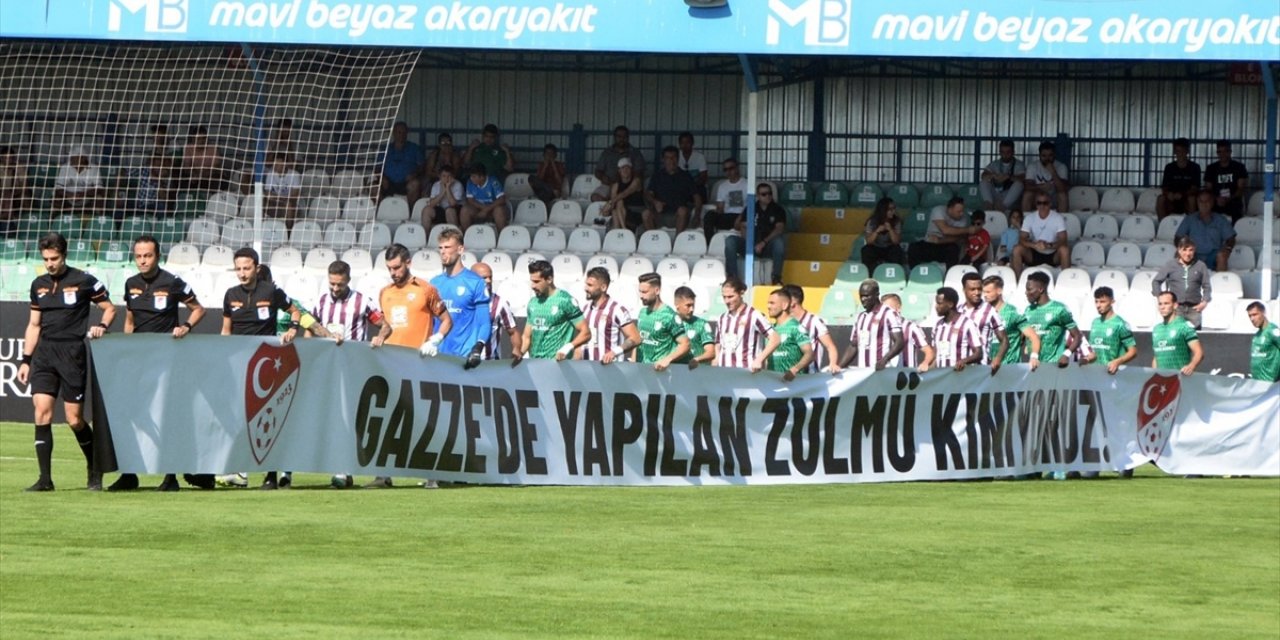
column 1157, row 408
column 271, row 382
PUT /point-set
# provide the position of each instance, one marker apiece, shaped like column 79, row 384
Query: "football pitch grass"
column 1155, row 556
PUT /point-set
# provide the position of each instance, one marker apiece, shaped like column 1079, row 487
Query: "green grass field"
column 1155, row 556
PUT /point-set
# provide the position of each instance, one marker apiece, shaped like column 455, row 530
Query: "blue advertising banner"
column 1079, row 29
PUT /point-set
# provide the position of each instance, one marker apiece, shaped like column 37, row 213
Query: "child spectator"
column 1009, row 239
column 978, row 251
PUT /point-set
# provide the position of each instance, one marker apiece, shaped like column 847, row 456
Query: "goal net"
column 104, row 142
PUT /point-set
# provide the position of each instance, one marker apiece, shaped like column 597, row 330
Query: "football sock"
column 44, row 448
column 85, row 437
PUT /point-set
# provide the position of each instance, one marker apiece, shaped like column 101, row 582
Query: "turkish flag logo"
column 1157, row 408
column 271, row 382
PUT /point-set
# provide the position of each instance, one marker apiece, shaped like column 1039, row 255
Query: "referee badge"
column 264, row 313
column 271, row 382
column 69, row 297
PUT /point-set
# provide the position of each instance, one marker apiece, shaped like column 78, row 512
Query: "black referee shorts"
column 59, row 369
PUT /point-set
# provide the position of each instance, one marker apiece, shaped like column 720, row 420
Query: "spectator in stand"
column 1001, row 184
column 1174, row 342
column 1180, row 183
column 1227, row 180
column 914, row 340
column 282, row 139
column 1188, row 278
column 671, row 191
column 1264, row 348
column 445, row 200
column 78, row 188
column 956, row 339
column 978, row 249
column 152, row 181
column 1212, row 232
column 1042, row 239
column 548, row 181
column 13, row 190
column 1046, row 177
column 282, row 189
column 495, row 156
column 771, row 226
column 625, row 204
column 1010, row 237
column 694, row 163
column 876, row 340
column 608, row 164
column 946, row 239
column 730, row 201
column 485, row 200
column 202, row 162
column 444, row 155
column 402, row 166
column 883, row 235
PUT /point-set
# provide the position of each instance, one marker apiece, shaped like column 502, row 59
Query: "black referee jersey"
column 154, row 302
column 63, row 302
column 253, row 311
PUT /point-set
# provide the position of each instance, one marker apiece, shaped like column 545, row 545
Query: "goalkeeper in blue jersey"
column 467, row 297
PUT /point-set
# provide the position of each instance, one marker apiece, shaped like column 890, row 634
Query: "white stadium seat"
column 517, row 187
column 1088, row 254
column 237, row 233
column 1255, row 204
column 607, row 262
column 531, row 213
column 1226, row 286
column 549, row 240
column 954, row 275
column 1081, row 198
column 285, row 260
column 218, row 258
column 315, row 183
column 306, row 234
column 1115, row 279
column 393, row 210
column 360, row 261
column 1140, row 284
column 1101, row 227
column 324, row 209
column 501, row 266
column 182, row 257
column 568, row 268
column 655, row 243
column 480, row 238
column 1006, row 274
column 1242, row 258
column 203, row 232
column 347, row 184
column 1074, row 283
column 1116, row 200
column 1139, row 229
column 995, row 225
column 715, row 246
column 565, row 213
column 522, row 265
column 1217, row 314
column 1147, row 201
column 708, row 272
column 222, row 206
column 593, row 213
column 619, row 242
column 340, row 235
column 274, row 234
column 319, row 259
column 1073, row 227
column 1124, row 255
column 357, row 210
column 1022, row 281
column 690, row 244
column 674, row 272
column 583, row 185
column 1249, row 231
column 514, row 239
column 375, row 235
column 426, row 262
column 1168, row 228
column 411, row 235
column 634, row 267
column 584, row 241
column 1159, row 255
column 433, row 238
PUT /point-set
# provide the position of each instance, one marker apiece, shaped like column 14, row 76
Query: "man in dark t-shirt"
column 671, row 191
column 1180, row 182
column 771, row 224
column 1227, row 179
column 54, row 358
column 151, row 298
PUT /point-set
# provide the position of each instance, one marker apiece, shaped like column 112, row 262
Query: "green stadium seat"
column 934, row 195
column 100, row 229
column 830, row 194
column 865, row 195
column 905, row 196
column 971, row 194
column 190, row 205
column 13, row 251
column 840, row 305
column 169, row 231
column 69, row 226
column 717, row 306
column 855, row 252
column 917, row 305
column 926, row 278
column 131, row 228
column 81, row 252
column 15, row 281
column 42, row 177
column 852, row 272
column 793, row 194
column 915, row 224
column 30, row 228
column 114, row 254
column 892, row 277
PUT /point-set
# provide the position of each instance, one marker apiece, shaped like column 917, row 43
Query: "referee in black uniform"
column 151, row 301
column 250, row 308
column 54, row 356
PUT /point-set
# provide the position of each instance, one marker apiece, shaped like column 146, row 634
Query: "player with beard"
column 702, row 338
column 554, row 326
column 501, row 317
column 662, row 336
column 613, row 329
column 789, row 349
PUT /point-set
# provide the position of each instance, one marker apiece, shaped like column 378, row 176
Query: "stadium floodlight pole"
column 260, row 151
column 1269, row 182
column 749, row 241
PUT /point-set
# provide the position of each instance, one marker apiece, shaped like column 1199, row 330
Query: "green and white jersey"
column 1051, row 321
column 700, row 334
column 1264, row 353
column 789, row 351
column 1110, row 339
column 1013, row 324
column 551, row 321
column 659, row 331
column 1171, row 343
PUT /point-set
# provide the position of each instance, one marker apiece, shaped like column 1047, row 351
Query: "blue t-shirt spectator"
column 403, row 162
column 486, row 193
column 467, row 298
column 1208, row 236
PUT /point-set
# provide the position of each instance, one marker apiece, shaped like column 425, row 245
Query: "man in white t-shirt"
column 282, row 188
column 1043, row 239
column 445, row 200
column 1047, row 177
column 78, row 187
column 730, row 201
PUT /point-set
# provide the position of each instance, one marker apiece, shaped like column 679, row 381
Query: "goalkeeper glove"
column 431, row 347
column 475, row 357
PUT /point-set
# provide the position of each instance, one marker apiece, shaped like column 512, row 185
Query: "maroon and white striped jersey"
column 988, row 321
column 741, row 336
column 816, row 328
column 503, row 321
column 351, row 316
column 874, row 332
column 605, row 322
column 954, row 341
column 913, row 338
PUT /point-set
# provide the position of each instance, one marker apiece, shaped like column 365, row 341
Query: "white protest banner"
column 223, row 404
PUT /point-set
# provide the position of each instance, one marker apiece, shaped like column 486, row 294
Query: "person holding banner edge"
column 613, row 329
column 740, row 327
column 702, row 337
column 1264, row 348
column 501, row 318
column 1174, row 342
column 1109, row 335
column 956, row 339
column 554, row 326
column 1052, row 322
column 662, row 337
column 152, row 297
column 789, row 349
column 54, row 353
column 824, row 348
column 876, row 340
column 467, row 298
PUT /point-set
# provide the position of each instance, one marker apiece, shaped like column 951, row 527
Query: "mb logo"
column 826, row 22
column 158, row 16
